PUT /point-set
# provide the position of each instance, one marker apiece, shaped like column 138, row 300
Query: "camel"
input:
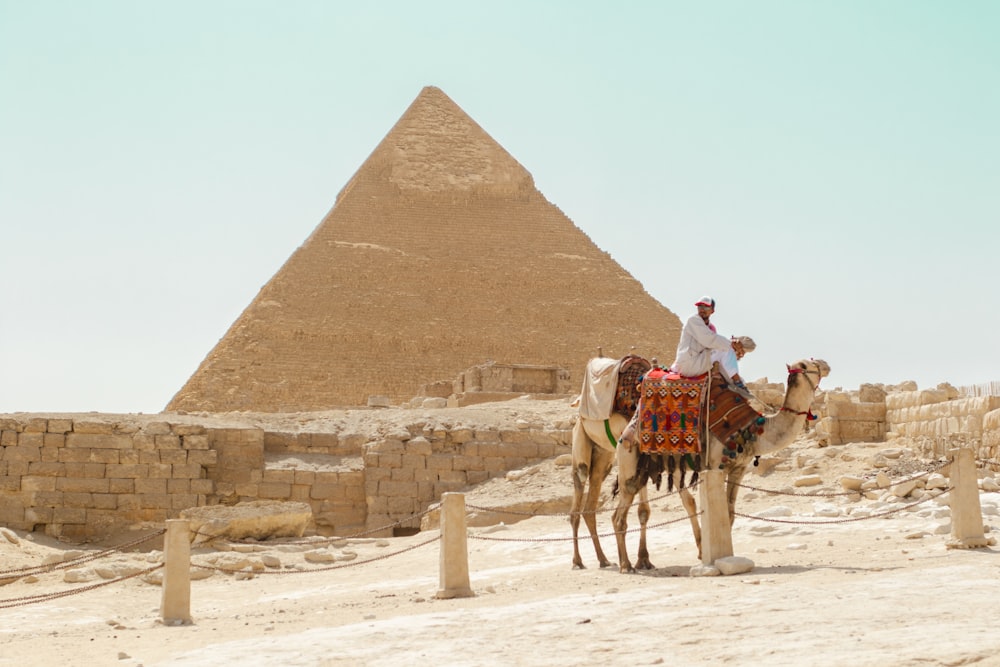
column 779, row 431
column 594, row 442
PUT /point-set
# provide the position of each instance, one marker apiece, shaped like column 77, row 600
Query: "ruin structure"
column 439, row 255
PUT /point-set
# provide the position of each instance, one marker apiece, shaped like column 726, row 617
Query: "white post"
column 454, row 553
column 716, row 531
column 175, row 608
column 966, row 513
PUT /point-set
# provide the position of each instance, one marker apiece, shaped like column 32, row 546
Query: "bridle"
column 806, row 372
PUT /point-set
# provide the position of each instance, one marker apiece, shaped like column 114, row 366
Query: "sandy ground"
column 824, row 590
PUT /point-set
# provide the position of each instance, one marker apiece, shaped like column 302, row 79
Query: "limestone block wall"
column 845, row 418
column 86, row 477
column 89, row 477
column 935, row 418
column 404, row 475
column 990, row 448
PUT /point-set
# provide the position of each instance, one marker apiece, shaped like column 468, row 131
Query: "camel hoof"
column 579, row 566
column 644, row 564
column 626, row 568
column 605, row 563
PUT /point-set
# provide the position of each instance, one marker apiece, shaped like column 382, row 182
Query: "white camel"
column 594, row 442
column 779, row 431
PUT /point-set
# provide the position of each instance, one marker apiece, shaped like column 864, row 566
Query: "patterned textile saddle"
column 731, row 419
column 631, row 369
column 669, row 414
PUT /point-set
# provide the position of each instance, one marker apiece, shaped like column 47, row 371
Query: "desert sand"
column 829, row 586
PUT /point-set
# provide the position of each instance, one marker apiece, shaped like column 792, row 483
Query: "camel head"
column 803, row 380
column 807, row 373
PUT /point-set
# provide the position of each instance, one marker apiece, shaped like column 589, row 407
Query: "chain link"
column 45, row 597
column 880, row 515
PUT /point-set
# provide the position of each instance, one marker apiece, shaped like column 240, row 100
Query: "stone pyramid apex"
column 435, row 147
column 438, row 255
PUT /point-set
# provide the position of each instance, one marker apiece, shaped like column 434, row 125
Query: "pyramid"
column 439, row 254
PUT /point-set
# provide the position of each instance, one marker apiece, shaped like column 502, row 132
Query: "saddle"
column 673, row 410
column 631, row 370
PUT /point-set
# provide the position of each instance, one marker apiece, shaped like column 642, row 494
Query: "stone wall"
column 937, row 418
column 86, row 477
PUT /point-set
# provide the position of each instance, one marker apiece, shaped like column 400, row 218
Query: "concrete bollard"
column 716, row 530
column 454, row 564
column 966, row 512
column 175, row 608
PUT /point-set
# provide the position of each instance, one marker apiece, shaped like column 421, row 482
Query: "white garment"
column 694, row 350
column 727, row 362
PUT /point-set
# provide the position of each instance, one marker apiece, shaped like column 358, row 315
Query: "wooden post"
column 175, row 608
column 716, row 531
column 966, row 512
column 454, row 565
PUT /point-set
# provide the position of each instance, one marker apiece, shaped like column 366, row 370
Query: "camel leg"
column 620, row 521
column 642, row 562
column 687, row 499
column 733, row 479
column 581, row 473
column 628, row 459
column 600, row 469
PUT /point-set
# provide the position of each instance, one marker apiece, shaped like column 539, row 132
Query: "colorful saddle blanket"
column 631, row 370
column 670, row 413
column 731, row 419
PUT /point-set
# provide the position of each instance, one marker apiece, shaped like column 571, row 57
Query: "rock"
column 776, row 511
column 320, row 556
column 882, row 480
column 904, row 489
column 851, row 483
column 259, row 519
column 79, row 576
column 826, row 510
column 270, row 560
column 989, row 484
column 564, row 460
column 734, row 565
column 9, row 535
column 936, row 481
column 808, row 480
column 704, row 571
column 891, row 453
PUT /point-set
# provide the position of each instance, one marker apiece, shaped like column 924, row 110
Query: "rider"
column 728, row 359
column 698, row 341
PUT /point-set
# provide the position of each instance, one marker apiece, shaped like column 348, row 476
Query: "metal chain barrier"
column 568, row 539
column 879, row 515
column 323, row 569
column 834, row 494
column 45, row 597
column 86, row 558
column 603, row 510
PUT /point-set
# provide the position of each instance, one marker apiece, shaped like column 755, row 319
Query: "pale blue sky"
column 828, row 171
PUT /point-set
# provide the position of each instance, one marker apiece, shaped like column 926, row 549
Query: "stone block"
column 85, row 426
column 259, row 520
column 98, row 441
column 61, row 426
column 47, row 469
column 151, row 486
column 172, row 456
column 82, row 485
